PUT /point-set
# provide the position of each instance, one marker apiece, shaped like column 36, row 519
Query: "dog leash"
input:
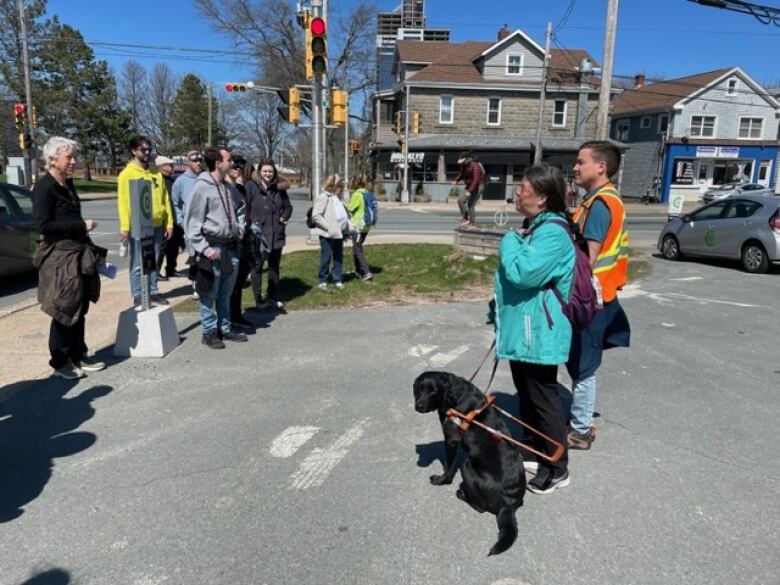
column 482, row 363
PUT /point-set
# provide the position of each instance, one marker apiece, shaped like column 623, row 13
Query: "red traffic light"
column 228, row 87
column 317, row 26
column 18, row 108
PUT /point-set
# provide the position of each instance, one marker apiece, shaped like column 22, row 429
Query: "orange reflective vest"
column 611, row 267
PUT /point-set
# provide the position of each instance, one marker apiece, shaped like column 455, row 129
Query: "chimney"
column 503, row 33
column 639, row 80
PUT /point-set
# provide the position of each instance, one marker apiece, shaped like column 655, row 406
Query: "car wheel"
column 754, row 258
column 670, row 247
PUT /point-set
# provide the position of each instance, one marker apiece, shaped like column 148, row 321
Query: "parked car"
column 723, row 191
column 744, row 228
column 17, row 230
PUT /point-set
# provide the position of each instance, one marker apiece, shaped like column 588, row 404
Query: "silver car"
column 744, row 228
column 732, row 189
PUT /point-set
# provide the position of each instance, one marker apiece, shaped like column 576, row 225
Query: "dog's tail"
column 507, row 530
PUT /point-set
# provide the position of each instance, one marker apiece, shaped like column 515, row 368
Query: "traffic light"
column 294, row 101
column 415, row 125
column 338, row 107
column 354, row 146
column 316, row 47
column 234, row 86
column 35, row 117
column 398, row 122
column 19, row 116
column 22, row 141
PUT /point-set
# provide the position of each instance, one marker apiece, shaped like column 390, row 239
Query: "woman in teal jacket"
column 531, row 330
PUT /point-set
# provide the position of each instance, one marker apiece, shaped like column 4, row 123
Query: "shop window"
column 729, row 172
column 446, row 109
column 559, row 113
column 494, row 111
column 703, row 126
column 682, row 171
column 750, row 127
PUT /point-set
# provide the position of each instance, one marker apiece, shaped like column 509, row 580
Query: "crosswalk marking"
column 291, row 439
column 439, row 360
column 421, row 350
column 320, row 462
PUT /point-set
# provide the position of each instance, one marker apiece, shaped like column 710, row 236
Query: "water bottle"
column 122, row 249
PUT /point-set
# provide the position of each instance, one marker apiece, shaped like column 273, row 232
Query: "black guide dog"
column 493, row 475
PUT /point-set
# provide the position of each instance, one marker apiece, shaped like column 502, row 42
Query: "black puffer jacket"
column 271, row 210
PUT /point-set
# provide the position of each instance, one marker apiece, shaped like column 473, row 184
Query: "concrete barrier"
column 478, row 241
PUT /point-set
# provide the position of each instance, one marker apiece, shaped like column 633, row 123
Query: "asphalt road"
column 297, row 458
column 643, row 232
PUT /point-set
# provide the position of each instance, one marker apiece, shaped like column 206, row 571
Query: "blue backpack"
column 371, row 208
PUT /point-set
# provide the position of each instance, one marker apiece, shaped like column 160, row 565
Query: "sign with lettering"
column 728, row 151
column 414, row 157
column 706, row 151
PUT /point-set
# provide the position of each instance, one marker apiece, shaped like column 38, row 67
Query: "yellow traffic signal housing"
column 316, row 46
column 294, row 102
column 35, row 117
column 22, row 141
column 415, row 126
column 398, row 122
column 338, row 107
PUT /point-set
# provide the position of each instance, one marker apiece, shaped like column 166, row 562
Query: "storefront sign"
column 683, row 172
column 706, row 151
column 676, row 203
column 414, row 157
column 728, row 152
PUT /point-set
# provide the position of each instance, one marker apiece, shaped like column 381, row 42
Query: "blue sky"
column 658, row 37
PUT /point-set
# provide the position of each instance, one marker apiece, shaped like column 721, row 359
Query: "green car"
column 17, row 230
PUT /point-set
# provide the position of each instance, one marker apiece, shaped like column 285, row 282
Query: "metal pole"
column 405, row 191
column 316, row 121
column 542, row 96
column 346, row 147
column 208, row 136
column 31, row 152
column 602, row 120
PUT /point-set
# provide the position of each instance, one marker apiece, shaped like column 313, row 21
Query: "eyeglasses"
column 195, row 157
column 144, row 149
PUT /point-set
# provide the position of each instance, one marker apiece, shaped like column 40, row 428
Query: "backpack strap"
column 550, row 286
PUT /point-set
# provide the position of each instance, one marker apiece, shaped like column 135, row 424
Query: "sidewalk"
column 25, row 328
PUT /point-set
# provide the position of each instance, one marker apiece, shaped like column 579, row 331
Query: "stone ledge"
column 478, row 241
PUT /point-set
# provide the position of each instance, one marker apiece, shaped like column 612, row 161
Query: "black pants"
column 274, row 260
column 66, row 343
column 540, row 407
column 244, row 267
column 169, row 251
column 361, row 264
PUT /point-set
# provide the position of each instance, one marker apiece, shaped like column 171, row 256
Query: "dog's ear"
column 463, row 395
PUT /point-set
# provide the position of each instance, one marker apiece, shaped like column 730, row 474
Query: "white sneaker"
column 89, row 365
column 339, row 285
column 69, row 372
column 531, row 466
column 322, row 285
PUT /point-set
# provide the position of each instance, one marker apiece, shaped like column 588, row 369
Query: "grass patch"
column 403, row 274
column 95, row 186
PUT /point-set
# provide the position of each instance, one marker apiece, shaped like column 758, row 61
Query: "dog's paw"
column 442, row 479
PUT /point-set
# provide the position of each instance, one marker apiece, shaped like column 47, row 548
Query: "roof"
column 457, row 62
column 664, row 94
column 493, row 143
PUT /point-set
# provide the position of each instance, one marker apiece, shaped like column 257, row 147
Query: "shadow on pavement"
column 37, row 424
column 50, row 577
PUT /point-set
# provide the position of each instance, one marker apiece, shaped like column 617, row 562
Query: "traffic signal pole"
column 316, row 110
column 405, row 190
column 30, row 162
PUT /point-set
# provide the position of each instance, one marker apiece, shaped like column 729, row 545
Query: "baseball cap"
column 162, row 160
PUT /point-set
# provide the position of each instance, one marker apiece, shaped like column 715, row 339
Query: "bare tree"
column 254, row 125
column 162, row 84
column 133, row 87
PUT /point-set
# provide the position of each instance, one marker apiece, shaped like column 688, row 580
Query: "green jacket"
column 357, row 210
column 526, row 265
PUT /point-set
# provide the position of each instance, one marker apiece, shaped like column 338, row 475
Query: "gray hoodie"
column 206, row 221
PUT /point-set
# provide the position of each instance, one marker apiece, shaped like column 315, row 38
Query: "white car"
column 731, row 189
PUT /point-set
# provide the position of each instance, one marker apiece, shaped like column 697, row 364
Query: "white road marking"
column 440, row 360
column 632, row 291
column 418, row 210
column 421, row 350
column 320, row 462
column 667, row 324
column 716, row 301
column 686, row 279
column 291, row 439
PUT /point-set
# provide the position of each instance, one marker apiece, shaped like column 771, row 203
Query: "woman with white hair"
column 66, row 260
column 332, row 222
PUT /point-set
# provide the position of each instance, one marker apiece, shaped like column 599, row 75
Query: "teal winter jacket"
column 526, row 264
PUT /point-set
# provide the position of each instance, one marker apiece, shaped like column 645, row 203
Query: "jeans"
column 582, row 403
column 135, row 265
column 466, row 203
column 215, row 308
column 361, row 264
column 330, row 248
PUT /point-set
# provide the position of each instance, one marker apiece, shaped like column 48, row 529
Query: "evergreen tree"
column 189, row 116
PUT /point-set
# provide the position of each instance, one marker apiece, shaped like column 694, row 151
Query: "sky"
column 660, row 38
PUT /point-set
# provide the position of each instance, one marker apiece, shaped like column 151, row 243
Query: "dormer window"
column 732, row 87
column 514, row 64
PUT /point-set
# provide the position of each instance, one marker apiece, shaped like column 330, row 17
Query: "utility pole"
column 31, row 152
column 602, row 120
column 346, row 148
column 405, row 191
column 542, row 95
column 208, row 135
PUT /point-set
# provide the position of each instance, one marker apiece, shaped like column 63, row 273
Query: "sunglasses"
column 195, row 157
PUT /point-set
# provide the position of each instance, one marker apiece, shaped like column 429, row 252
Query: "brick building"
column 483, row 97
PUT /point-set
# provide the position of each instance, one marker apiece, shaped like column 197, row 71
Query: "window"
column 732, row 87
column 713, row 211
column 514, row 64
column 741, row 208
column 703, row 126
column 559, row 113
column 682, row 171
column 22, row 197
column 494, row 111
column 621, row 130
column 446, row 109
column 645, row 122
column 663, row 123
column 750, row 127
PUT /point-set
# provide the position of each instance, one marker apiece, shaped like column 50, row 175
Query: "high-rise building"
column 405, row 22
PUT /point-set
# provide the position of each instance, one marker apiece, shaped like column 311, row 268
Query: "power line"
column 565, row 18
column 762, row 13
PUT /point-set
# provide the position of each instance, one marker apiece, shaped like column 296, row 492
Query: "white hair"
column 55, row 145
